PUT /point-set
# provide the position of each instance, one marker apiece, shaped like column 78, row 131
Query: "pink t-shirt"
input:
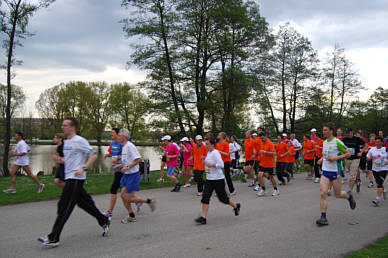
column 172, row 149
column 187, row 156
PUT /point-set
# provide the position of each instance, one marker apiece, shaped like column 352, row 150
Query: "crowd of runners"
column 212, row 161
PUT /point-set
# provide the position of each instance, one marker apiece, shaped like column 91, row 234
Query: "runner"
column 256, row 160
column 75, row 150
column 318, row 156
column 199, row 154
column 309, row 150
column 290, row 158
column 250, row 154
column 162, row 163
column 313, row 136
column 114, row 151
column 379, row 156
column 281, row 160
column 223, row 148
column 362, row 161
column 215, row 180
column 267, row 165
column 297, row 146
column 172, row 154
column 234, row 149
column 21, row 162
column 369, row 164
column 339, row 134
column 130, row 181
column 333, row 152
column 60, row 171
column 352, row 163
column 187, row 156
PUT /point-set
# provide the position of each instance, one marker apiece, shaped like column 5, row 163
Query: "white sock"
column 377, row 198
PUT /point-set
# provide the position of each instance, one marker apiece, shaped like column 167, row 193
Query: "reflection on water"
column 41, row 158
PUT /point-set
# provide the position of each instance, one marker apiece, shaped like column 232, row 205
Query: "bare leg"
column 324, row 186
column 186, row 175
column 12, row 175
column 337, row 189
column 205, row 208
column 261, row 180
column 134, row 199
column 162, row 169
column 126, row 202
column 113, row 198
column 32, row 176
column 173, row 179
column 274, row 184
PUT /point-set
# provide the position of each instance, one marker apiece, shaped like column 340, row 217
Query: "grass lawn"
column 378, row 249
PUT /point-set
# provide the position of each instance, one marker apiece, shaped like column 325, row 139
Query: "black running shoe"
column 283, row 183
column 358, row 186
column 47, row 242
column 288, row 178
column 105, row 227
column 178, row 187
column 174, row 189
column 200, row 220
column 351, row 200
column 237, row 210
column 322, row 222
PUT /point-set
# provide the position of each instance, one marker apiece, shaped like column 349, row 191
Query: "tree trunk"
column 284, row 96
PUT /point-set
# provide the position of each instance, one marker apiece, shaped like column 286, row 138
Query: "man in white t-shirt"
column 79, row 156
column 130, row 181
column 21, row 161
column 297, row 146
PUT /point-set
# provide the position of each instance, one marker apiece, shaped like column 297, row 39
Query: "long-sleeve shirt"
column 214, row 173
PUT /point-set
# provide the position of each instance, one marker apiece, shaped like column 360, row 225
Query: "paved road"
column 268, row 227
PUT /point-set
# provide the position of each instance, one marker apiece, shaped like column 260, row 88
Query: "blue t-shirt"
column 115, row 151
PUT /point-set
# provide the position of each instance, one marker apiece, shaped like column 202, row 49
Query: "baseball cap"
column 166, row 138
column 198, row 137
column 348, row 130
column 313, row 130
column 284, row 134
column 185, row 139
column 254, row 134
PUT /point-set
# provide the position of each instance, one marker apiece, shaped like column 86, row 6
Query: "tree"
column 14, row 18
column 17, row 100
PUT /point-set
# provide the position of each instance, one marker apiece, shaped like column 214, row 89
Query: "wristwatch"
column 85, row 169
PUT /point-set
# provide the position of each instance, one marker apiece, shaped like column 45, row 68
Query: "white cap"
column 198, row 137
column 185, row 139
column 313, row 130
column 284, row 134
column 254, row 134
column 166, row 137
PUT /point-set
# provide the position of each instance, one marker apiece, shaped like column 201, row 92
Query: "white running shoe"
column 160, row 180
column 329, row 193
column 191, row 179
column 233, row 193
column 10, row 190
column 370, row 185
column 128, row 219
column 376, row 202
column 261, row 193
column 317, row 180
column 152, row 205
column 275, row 193
column 107, row 214
column 40, row 188
column 187, row 185
column 384, row 194
column 199, row 194
column 138, row 206
column 46, row 242
column 257, row 188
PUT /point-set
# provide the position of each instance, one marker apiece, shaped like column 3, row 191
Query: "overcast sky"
column 83, row 40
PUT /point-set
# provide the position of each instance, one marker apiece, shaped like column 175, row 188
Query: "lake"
column 41, row 158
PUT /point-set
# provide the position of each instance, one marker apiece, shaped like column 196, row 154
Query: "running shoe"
column 199, row 194
column 371, row 185
column 138, row 206
column 200, row 220
column 251, row 185
column 275, row 193
column 257, row 188
column 191, row 179
column 243, row 180
column 178, row 187
column 46, row 242
column 107, row 214
column 322, row 222
column 261, row 193
column 237, row 210
column 233, row 193
column 288, row 178
column 160, row 180
column 10, row 191
column 283, row 183
column 384, row 194
column 105, row 227
column 351, row 200
column 358, row 186
column 317, row 180
column 187, row 185
column 152, row 205
column 329, row 193
column 376, row 202
column 40, row 188
column 128, row 219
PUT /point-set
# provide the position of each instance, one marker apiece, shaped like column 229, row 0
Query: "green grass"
column 96, row 184
column 378, row 249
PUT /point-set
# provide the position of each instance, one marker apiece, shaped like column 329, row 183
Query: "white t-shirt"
column 296, row 144
column 75, row 152
column 22, row 147
column 128, row 155
column 233, row 146
column 380, row 157
column 334, row 147
column 214, row 173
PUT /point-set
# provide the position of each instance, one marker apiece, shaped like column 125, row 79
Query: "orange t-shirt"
column 281, row 148
column 319, row 151
column 224, row 147
column 257, row 143
column 308, row 146
column 266, row 160
column 248, row 147
column 291, row 155
column 197, row 153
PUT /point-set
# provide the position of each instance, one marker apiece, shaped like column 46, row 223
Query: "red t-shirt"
column 308, row 146
column 267, row 160
column 281, row 148
column 248, row 147
column 224, row 147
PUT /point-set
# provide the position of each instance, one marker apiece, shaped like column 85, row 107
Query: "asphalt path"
column 282, row 226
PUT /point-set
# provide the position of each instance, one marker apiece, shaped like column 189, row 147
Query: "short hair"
column 20, row 134
column 60, row 136
column 331, row 126
column 117, row 130
column 292, row 135
column 379, row 138
column 211, row 139
column 261, row 134
column 125, row 133
column 73, row 122
column 372, row 135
